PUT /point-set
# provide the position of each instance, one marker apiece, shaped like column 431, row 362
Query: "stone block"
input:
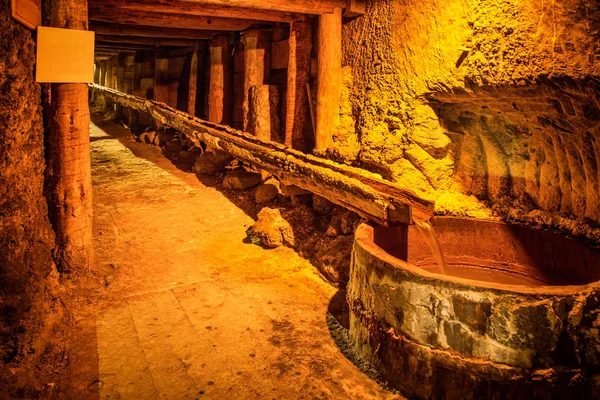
column 241, row 180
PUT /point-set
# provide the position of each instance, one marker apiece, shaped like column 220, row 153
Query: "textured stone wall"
column 480, row 104
column 28, row 281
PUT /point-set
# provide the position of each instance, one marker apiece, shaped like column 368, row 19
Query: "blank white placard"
column 64, row 55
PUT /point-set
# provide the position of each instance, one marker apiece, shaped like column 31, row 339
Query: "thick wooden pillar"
column 220, row 89
column 329, row 76
column 257, row 65
column 297, row 111
column 70, row 197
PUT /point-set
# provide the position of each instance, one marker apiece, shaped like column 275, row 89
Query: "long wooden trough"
column 356, row 189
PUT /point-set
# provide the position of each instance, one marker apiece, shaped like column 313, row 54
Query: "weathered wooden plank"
column 296, row 6
column 192, row 8
column 353, row 188
column 170, row 42
column 107, row 28
column 122, row 46
column 184, row 21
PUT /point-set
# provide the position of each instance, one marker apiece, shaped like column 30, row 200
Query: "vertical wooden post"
column 136, row 89
column 393, row 240
column 193, row 83
column 257, row 65
column 220, row 89
column 109, row 73
column 329, row 76
column 70, row 197
column 120, row 74
column 103, row 73
column 297, row 106
column 201, row 81
column 97, row 72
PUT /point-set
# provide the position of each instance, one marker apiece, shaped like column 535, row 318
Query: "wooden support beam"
column 297, row 122
column 169, row 42
column 358, row 190
column 297, row 6
column 220, row 89
column 329, row 76
column 257, row 65
column 193, row 83
column 171, row 20
column 355, row 8
column 182, row 52
column 193, row 8
column 70, row 179
column 106, row 28
column 122, row 47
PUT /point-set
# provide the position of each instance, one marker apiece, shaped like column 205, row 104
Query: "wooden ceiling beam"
column 146, row 40
column 192, row 8
column 107, row 28
column 123, row 46
column 297, row 6
column 129, row 17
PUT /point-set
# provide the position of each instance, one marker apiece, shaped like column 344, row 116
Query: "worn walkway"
column 190, row 310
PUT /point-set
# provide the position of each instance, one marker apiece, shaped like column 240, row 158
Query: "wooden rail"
column 356, row 189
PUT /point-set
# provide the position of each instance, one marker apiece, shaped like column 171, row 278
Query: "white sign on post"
column 64, row 55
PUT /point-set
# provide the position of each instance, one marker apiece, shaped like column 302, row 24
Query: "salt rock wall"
column 28, row 283
column 488, row 106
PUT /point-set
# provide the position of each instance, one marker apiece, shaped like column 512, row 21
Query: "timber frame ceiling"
column 132, row 25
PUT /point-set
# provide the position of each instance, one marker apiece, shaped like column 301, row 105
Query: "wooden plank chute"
column 356, row 189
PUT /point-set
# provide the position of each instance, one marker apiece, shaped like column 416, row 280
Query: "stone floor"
column 190, row 310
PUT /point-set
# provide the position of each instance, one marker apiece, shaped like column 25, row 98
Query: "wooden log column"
column 329, row 76
column 193, row 83
column 257, row 65
column 70, row 180
column 220, row 87
column 297, row 123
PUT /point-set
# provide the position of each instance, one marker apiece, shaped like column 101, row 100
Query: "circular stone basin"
column 516, row 316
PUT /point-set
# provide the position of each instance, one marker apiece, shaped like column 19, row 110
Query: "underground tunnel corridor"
column 189, row 310
column 312, row 199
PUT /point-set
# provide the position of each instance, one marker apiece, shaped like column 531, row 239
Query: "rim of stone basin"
column 364, row 237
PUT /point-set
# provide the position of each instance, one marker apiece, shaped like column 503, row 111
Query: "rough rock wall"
column 479, row 103
column 28, row 280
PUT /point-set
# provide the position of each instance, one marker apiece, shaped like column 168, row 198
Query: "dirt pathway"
column 190, row 310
